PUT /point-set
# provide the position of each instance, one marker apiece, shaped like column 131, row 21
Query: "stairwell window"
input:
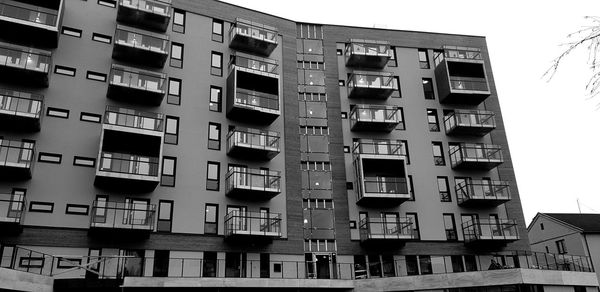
column 216, row 64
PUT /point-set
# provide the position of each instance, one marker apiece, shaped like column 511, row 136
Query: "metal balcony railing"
column 137, row 79
column 375, row 114
column 162, row 7
column 455, row 52
column 253, row 138
column 475, row 153
column 12, row 208
column 25, row 58
column 379, row 147
column 386, row 228
column 368, row 48
column 469, row 119
column 253, row 30
column 385, row 185
column 122, row 215
column 24, row 12
column 22, row 104
column 372, row 80
column 254, row 63
column 256, row 100
column 128, row 164
column 485, row 230
column 468, row 83
column 482, row 190
column 138, row 40
column 133, row 119
column 253, row 224
column 16, row 154
column 253, row 179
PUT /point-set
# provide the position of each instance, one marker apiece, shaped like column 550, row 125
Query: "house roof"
column 588, row 223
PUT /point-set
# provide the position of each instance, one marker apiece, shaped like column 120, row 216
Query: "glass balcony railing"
column 253, row 224
column 255, row 63
column 12, row 207
column 385, row 185
column 379, row 147
column 372, row 81
column 256, row 100
column 469, row 119
column 253, row 180
column 16, row 154
column 253, row 138
column 454, row 52
column 22, row 104
column 133, row 119
column 161, row 7
column 25, row 58
column 475, row 153
column 468, row 83
column 123, row 215
column 128, row 164
column 24, row 12
column 375, row 114
column 253, row 30
column 499, row 229
column 141, row 41
column 483, row 190
column 386, row 229
column 368, row 48
column 137, row 79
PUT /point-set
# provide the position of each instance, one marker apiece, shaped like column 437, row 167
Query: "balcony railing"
column 128, row 164
column 24, row 12
column 391, row 186
column 250, row 142
column 470, row 122
column 454, row 52
column 256, row 100
column 162, row 7
column 16, row 154
column 253, row 224
column 137, row 79
column 262, row 65
column 379, row 147
column 368, row 53
column 252, row 37
column 490, row 230
column 386, row 229
column 378, row 85
column 12, row 208
column 475, row 156
column 141, row 41
column 252, row 180
column 122, row 215
column 483, row 191
column 375, row 118
column 133, row 119
column 22, row 104
column 467, row 83
column 25, row 58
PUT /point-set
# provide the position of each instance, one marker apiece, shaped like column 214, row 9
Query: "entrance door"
column 161, row 263
column 323, row 266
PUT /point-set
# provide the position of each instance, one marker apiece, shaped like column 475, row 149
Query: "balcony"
column 12, row 211
column 371, row 85
column 252, row 184
column 386, row 230
column 24, row 66
column 368, row 54
column 470, row 122
column 130, row 218
column 461, row 76
column 136, row 86
column 375, row 118
column 252, row 144
column 380, row 169
column 142, row 48
column 490, row 232
column 16, row 160
column 20, row 111
column 252, row 37
column 475, row 156
column 253, row 89
column 130, row 151
column 31, row 23
column 482, row 193
column 145, row 14
column 252, row 226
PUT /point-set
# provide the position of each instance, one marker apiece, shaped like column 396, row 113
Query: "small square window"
column 352, row 224
column 91, row 75
column 74, row 32
column 346, row 149
column 349, row 186
column 344, row 115
column 339, row 52
column 102, row 38
column 57, row 112
column 108, row 3
column 63, row 70
column 342, row 83
column 277, row 268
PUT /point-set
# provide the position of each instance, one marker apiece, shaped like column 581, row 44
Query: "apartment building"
column 150, row 144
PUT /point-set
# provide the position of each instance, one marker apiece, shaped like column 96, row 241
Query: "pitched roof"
column 589, row 223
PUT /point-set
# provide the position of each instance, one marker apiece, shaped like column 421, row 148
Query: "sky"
column 553, row 127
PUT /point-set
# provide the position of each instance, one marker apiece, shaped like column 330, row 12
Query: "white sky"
column 552, row 127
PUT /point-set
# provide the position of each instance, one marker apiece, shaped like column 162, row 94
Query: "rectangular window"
column 211, row 215
column 74, row 209
column 444, row 189
column 91, row 75
column 561, row 247
column 89, row 117
column 42, row 207
column 423, row 59
column 214, row 136
column 216, row 64
column 176, row 55
column 165, row 216
column 102, row 38
column 438, row 153
column 392, row 62
column 169, row 168
column 63, row 70
column 412, row 188
column 108, row 3
column 68, row 263
column 428, row 88
column 432, row 120
column 412, row 267
column 415, row 224
column 217, row 30
column 450, row 227
column 425, row 265
column 84, row 161
column 31, row 262
column 172, row 130
column 174, row 96
column 179, row 21
column 74, row 32
column 50, row 157
column 213, row 176
column 216, row 94
column 57, row 112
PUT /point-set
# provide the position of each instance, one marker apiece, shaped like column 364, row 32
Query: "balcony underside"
column 248, row 114
column 483, row 202
column 370, row 93
column 143, row 19
column 14, row 173
column 36, row 35
column 372, row 126
column 11, row 228
column 480, row 164
column 468, row 97
column 24, row 77
column 488, row 241
column 142, row 57
column 382, row 241
column 252, row 45
column 251, row 153
column 250, row 194
column 259, row 237
column 366, row 61
column 470, row 130
column 125, row 183
column 131, row 140
column 382, row 200
column 19, row 122
column 135, row 95
column 101, row 231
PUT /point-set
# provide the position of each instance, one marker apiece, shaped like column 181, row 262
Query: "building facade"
column 187, row 144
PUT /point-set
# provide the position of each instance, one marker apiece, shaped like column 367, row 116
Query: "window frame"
column 431, row 95
column 438, row 160
column 215, row 106
column 445, row 196
column 165, row 179
column 424, row 64
column 216, row 220
column 217, row 180
column 174, row 98
column 216, row 70
column 176, row 61
column 217, row 36
column 176, row 26
column 214, row 143
column 434, row 126
column 158, row 217
column 171, row 138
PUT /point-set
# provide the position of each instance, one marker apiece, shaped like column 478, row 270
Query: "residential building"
column 194, row 143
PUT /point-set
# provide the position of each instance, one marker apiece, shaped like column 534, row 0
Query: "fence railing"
column 464, row 83
column 368, row 48
column 141, row 41
column 253, row 224
column 128, row 164
column 475, row 153
column 24, row 58
column 385, row 185
column 22, row 104
column 460, row 118
column 20, row 11
column 137, row 79
column 254, row 63
column 122, row 215
column 133, row 119
column 254, row 30
column 482, row 190
column 386, row 228
column 372, row 80
column 379, row 147
column 256, row 100
column 499, row 229
column 253, row 179
column 252, row 138
column 156, row 7
column 375, row 113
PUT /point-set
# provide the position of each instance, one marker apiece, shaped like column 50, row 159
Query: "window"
column 74, row 32
column 423, row 59
column 216, row 94
column 405, row 146
column 57, row 112
column 63, row 70
column 412, row 268
column 401, row 126
column 412, row 188
column 217, row 30
column 74, row 209
column 174, row 96
column 172, row 130
column 428, row 88
column 212, row 176
column 165, row 216
column 438, row 153
column 450, row 227
column 102, row 38
column 108, row 3
column 179, row 21
column 444, row 189
column 169, row 167
column 547, row 249
column 425, row 265
column 50, row 157
column 542, row 226
column 31, row 262
column 68, row 263
column 214, row 136
column 211, row 215
column 392, row 62
column 42, row 207
column 216, row 63
column 560, row 246
column 89, row 117
column 176, row 55
column 84, row 161
column 415, row 224
column 432, row 120
column 91, row 75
